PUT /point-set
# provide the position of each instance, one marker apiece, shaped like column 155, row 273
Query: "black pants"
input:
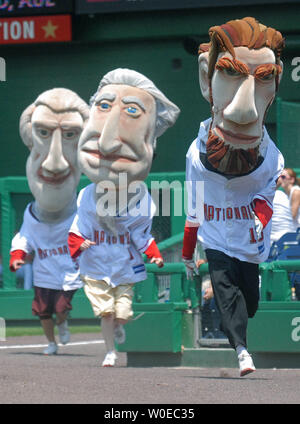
column 236, row 290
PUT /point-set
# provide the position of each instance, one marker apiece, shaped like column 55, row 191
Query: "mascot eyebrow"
column 128, row 99
column 133, row 99
column 261, row 71
column 105, row 96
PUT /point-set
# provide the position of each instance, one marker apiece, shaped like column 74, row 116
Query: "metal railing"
column 11, row 187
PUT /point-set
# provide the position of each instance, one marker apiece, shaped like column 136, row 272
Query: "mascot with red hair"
column 233, row 155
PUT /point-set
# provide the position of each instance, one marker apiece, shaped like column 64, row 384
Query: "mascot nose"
column 242, row 109
column 109, row 140
column 55, row 161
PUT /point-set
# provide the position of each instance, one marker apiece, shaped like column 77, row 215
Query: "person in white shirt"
column 233, row 155
column 282, row 220
column 286, row 216
column 128, row 112
column 50, row 127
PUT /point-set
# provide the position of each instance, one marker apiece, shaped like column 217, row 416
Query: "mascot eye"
column 133, row 111
column 232, row 72
column 267, row 77
column 69, row 134
column 104, row 106
column 44, row 132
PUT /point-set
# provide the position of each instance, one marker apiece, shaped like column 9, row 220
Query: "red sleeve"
column 74, row 243
column 189, row 240
column 263, row 211
column 16, row 254
column 152, row 251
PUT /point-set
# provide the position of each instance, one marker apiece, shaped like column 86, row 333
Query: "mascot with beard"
column 233, row 155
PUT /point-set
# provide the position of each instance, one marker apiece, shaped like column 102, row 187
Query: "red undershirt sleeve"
column 74, row 243
column 16, row 254
column 152, row 251
column 189, row 240
column 263, row 211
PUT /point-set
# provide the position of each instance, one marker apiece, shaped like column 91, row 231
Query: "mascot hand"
column 87, row 244
column 158, row 261
column 17, row 263
column 190, row 268
column 258, row 226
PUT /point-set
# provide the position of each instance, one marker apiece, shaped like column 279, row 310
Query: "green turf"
column 38, row 331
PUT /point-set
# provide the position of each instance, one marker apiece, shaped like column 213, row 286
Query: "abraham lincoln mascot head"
column 239, row 73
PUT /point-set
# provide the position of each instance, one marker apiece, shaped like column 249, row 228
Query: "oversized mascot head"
column 239, row 73
column 50, row 127
column 128, row 113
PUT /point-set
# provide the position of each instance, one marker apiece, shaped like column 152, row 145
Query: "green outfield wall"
column 160, row 44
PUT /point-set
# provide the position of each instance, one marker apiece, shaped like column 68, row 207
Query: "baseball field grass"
column 37, row 331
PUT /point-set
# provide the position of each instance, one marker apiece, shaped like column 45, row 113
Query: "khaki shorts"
column 106, row 299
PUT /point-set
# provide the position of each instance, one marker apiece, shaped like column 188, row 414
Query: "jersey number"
column 253, row 238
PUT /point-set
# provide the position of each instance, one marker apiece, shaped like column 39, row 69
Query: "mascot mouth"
column 110, row 158
column 235, row 138
column 54, row 179
column 231, row 159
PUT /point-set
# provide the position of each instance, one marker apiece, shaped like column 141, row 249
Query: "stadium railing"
column 15, row 195
column 166, row 305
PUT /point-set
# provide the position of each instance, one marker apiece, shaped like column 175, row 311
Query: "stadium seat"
column 292, row 253
column 286, row 241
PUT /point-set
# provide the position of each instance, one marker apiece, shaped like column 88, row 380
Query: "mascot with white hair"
column 112, row 227
column 50, row 127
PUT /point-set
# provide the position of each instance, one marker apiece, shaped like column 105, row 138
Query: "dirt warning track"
column 75, row 376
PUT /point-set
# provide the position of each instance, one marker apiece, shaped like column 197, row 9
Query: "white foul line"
column 45, row 345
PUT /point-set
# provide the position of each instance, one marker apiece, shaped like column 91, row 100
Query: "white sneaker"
column 120, row 334
column 246, row 364
column 110, row 359
column 63, row 332
column 51, row 349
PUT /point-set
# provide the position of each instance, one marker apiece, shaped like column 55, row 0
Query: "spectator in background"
column 286, row 212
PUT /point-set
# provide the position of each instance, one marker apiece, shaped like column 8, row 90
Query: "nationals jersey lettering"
column 45, row 253
column 228, row 224
column 212, row 212
column 103, row 237
column 116, row 256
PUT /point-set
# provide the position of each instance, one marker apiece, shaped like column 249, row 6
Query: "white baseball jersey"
column 116, row 259
column 227, row 225
column 282, row 220
column 297, row 219
column 53, row 266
